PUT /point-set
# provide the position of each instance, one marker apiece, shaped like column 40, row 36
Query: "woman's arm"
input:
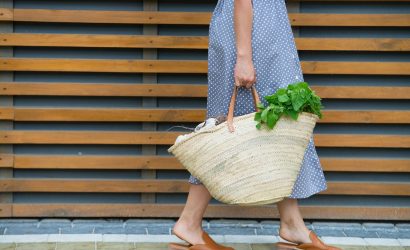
column 245, row 74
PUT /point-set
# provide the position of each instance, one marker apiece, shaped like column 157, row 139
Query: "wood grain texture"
column 168, row 138
column 157, row 162
column 192, row 42
column 184, row 90
column 182, row 115
column 329, row 164
column 189, row 66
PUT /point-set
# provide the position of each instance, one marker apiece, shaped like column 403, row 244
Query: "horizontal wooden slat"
column 180, row 186
column 168, row 138
column 181, row 115
column 90, row 162
column 362, row 140
column 362, row 92
column 333, row 164
column 110, row 186
column 102, row 65
column 365, row 116
column 87, row 137
column 352, row 44
column 104, row 41
column 192, row 42
column 105, row 89
column 361, row 68
column 6, row 210
column 189, row 66
column 115, row 17
column 104, row 115
column 6, row 14
column 352, row 20
column 7, row 161
column 184, row 90
column 212, row 211
column 194, row 18
column 6, row 113
column 351, row 164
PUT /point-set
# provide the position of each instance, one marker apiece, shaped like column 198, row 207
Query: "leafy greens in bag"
column 292, row 100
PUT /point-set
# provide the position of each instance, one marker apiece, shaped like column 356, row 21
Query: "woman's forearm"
column 243, row 15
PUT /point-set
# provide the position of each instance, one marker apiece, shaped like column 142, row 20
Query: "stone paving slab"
column 154, row 234
column 221, row 226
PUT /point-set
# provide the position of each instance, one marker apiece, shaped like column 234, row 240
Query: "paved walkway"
column 344, row 243
column 152, row 234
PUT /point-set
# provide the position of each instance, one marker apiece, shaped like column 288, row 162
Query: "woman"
column 251, row 42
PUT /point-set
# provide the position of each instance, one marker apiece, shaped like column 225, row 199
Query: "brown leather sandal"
column 210, row 244
column 316, row 244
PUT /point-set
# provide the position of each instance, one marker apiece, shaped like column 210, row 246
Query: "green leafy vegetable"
column 292, row 100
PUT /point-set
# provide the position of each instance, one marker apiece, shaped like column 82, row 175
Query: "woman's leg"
column 292, row 226
column 189, row 224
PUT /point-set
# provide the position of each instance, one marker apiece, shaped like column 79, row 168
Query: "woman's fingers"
column 240, row 82
column 237, row 82
column 253, row 81
column 244, row 82
column 244, row 74
column 250, row 82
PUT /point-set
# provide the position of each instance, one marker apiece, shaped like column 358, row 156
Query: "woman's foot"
column 295, row 234
column 297, row 238
column 189, row 233
column 192, row 233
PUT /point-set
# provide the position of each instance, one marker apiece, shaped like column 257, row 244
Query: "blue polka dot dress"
column 276, row 63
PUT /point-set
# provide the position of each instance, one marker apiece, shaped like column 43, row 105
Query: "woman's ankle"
column 188, row 223
column 294, row 231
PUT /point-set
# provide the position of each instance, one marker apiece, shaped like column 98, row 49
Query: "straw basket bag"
column 242, row 165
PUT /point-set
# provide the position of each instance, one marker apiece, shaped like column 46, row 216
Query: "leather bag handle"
column 256, row 100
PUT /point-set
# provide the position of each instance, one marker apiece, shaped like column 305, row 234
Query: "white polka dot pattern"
column 276, row 63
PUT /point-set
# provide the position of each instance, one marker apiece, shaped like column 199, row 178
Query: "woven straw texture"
column 248, row 166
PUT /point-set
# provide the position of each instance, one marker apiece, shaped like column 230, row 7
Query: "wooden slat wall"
column 89, row 93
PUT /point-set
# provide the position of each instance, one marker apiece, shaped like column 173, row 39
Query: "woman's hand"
column 244, row 73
